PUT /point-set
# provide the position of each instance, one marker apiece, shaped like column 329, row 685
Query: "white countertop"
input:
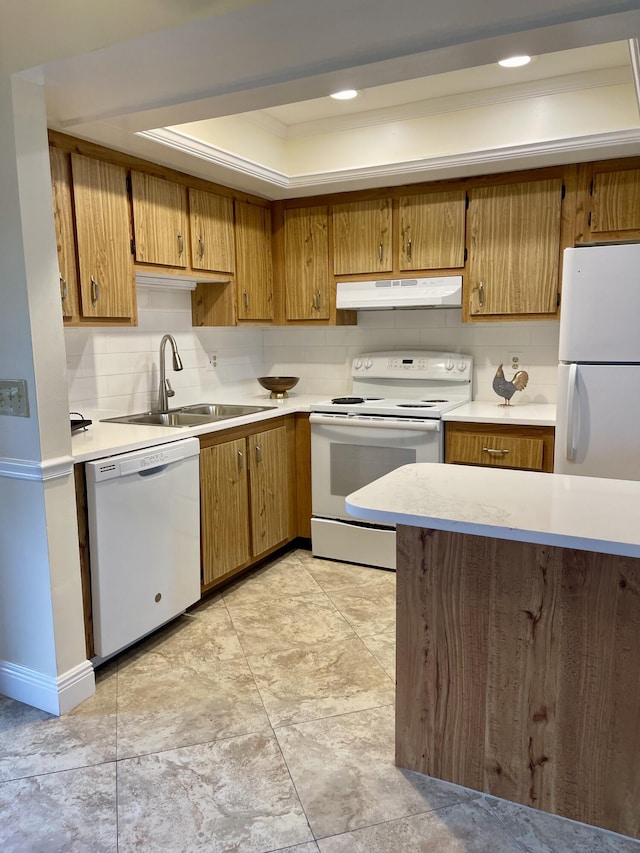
column 529, row 414
column 107, row 439
column 588, row 513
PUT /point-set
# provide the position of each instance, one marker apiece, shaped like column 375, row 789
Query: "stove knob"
column 448, row 364
column 462, row 366
column 357, row 363
column 368, row 363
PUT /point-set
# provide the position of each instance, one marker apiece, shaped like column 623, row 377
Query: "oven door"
column 348, row 452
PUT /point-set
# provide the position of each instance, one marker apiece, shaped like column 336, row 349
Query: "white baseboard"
column 55, row 695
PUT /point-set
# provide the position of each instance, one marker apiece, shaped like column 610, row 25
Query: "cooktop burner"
column 434, row 401
column 354, row 400
column 421, row 405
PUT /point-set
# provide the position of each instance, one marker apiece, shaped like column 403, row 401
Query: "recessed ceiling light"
column 515, row 61
column 346, row 95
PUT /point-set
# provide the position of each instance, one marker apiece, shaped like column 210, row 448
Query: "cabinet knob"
column 481, row 294
column 240, row 460
column 380, row 251
column 493, row 452
column 63, row 288
column 180, row 243
column 258, row 453
column 318, row 303
column 201, row 244
column 246, row 300
column 409, row 258
column 95, row 291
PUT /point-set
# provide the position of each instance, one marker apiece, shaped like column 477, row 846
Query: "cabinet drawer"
column 495, row 451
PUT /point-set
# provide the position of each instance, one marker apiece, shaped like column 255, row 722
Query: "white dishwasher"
column 144, row 540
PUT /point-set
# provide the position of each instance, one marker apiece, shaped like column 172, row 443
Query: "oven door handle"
column 376, row 423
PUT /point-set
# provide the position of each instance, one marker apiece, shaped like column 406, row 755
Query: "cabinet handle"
column 180, row 243
column 481, row 294
column 318, row 300
column 380, row 251
column 493, row 452
column 246, row 300
column 258, row 453
column 201, row 242
column 409, row 258
column 240, row 460
column 95, row 291
column 63, row 288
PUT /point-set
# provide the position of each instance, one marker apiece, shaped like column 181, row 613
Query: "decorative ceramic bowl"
column 278, row 385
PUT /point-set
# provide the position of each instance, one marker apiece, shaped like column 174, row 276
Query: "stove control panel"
column 452, row 366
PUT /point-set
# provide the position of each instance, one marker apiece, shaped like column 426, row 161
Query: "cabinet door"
column 211, row 225
column 223, row 509
column 101, row 206
column 65, row 240
column 306, row 265
column 514, row 248
column 616, row 203
column 268, row 454
column 362, row 237
column 254, row 278
column 431, row 229
column 159, row 220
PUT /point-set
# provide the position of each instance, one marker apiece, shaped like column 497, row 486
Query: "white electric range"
column 391, row 418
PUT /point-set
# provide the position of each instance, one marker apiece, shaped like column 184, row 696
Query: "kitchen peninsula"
column 518, row 642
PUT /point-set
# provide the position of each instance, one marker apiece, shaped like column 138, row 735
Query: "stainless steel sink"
column 201, row 413
column 223, row 410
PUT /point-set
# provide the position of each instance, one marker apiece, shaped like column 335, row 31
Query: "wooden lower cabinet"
column 528, row 448
column 224, row 519
column 247, row 496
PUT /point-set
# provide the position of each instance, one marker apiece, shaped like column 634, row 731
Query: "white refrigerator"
column 598, row 421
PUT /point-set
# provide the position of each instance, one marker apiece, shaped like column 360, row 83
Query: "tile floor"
column 260, row 721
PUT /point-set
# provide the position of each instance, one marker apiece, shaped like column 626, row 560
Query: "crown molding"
column 219, row 156
column 467, row 162
column 470, row 160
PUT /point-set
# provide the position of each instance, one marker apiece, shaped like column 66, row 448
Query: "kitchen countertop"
column 107, row 439
column 587, row 513
column 529, row 414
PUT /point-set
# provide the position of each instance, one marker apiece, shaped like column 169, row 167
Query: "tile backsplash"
column 117, row 369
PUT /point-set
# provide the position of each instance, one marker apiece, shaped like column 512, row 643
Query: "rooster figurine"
column 506, row 389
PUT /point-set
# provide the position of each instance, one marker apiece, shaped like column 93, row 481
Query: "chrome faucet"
column 165, row 390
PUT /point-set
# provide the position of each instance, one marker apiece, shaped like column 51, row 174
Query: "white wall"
column 118, row 369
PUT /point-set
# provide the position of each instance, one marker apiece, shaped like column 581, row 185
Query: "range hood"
column 437, row 292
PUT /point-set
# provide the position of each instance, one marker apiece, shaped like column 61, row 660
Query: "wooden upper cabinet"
column 514, row 248
column 159, row 220
column 65, row 238
column 306, row 263
column 211, row 225
column 254, row 273
column 615, row 206
column 101, row 206
column 362, row 237
column 431, row 231
column 268, row 455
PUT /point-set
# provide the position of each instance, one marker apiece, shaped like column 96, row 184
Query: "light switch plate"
column 13, row 398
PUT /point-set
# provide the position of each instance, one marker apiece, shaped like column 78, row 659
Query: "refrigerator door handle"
column 570, row 451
